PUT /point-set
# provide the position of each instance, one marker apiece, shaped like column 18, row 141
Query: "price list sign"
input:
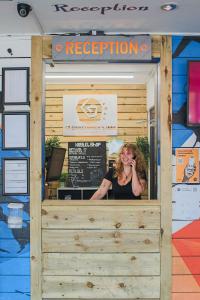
column 87, row 163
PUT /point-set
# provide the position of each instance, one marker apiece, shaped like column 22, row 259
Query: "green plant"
column 143, row 145
column 50, row 143
column 63, row 177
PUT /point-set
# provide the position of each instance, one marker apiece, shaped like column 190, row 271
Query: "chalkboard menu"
column 87, row 163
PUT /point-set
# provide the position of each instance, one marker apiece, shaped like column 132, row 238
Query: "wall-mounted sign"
column 101, row 48
column 15, row 176
column 15, row 130
column 87, row 163
column 98, row 9
column 15, row 86
column 90, row 115
column 187, row 165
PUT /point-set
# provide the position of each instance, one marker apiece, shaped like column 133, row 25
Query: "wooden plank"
column 156, row 46
column 58, row 116
column 91, row 87
column 101, row 217
column 120, row 264
column 122, row 101
column 35, row 166
column 65, row 140
column 137, row 131
column 184, row 265
column 100, row 241
column 165, row 165
column 186, row 247
column 87, row 299
column 121, row 123
column 185, row 296
column 100, row 203
column 47, row 46
column 185, row 284
column 121, row 108
column 101, row 287
column 119, row 93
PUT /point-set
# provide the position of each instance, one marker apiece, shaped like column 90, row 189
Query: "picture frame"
column 15, row 86
column 15, row 176
column 193, row 93
column 16, row 130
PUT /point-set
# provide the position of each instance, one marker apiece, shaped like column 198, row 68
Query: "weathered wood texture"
column 101, row 287
column 132, row 111
column 74, row 217
column 93, row 251
column 165, row 154
column 36, row 165
column 115, row 264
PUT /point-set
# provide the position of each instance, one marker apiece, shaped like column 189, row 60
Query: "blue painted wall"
column 14, row 243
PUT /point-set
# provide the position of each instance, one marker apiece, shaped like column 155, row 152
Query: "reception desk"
column 103, row 249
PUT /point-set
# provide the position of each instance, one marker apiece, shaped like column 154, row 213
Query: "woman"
column 127, row 178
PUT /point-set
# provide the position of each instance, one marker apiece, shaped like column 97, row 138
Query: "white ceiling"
column 44, row 19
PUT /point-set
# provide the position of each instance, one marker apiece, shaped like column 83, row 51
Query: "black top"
column 121, row 191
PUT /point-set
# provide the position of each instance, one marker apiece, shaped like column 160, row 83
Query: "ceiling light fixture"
column 89, row 76
column 168, row 6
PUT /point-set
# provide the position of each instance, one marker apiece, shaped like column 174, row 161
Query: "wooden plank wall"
column 132, row 111
column 101, row 250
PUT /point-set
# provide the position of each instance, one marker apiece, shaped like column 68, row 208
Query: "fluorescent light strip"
column 89, row 76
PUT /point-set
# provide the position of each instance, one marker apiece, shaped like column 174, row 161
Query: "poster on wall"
column 90, row 115
column 187, row 165
column 15, row 85
column 87, row 163
column 15, row 130
column 15, row 176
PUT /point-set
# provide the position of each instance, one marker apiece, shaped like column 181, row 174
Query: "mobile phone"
column 134, row 157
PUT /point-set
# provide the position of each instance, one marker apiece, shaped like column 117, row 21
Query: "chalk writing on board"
column 87, row 163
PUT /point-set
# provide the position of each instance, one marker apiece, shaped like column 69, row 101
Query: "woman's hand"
column 133, row 164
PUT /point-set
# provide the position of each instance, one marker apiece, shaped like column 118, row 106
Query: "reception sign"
column 90, row 115
column 101, row 48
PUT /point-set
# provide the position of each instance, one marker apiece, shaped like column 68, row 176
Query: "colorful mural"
column 14, row 242
column 186, row 196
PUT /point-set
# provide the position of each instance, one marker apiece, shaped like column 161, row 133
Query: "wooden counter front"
column 104, row 249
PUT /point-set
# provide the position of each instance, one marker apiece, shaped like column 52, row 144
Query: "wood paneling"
column 165, row 165
column 99, row 250
column 100, row 241
column 101, row 287
column 36, row 165
column 131, row 116
column 115, row 264
column 129, row 217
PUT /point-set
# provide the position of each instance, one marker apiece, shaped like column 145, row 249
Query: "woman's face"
column 126, row 156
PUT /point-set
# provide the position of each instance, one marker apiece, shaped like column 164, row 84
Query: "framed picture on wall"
column 15, row 176
column 15, row 86
column 193, row 103
column 16, row 130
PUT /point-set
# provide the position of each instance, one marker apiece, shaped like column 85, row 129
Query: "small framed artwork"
column 15, row 86
column 15, row 176
column 16, row 130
